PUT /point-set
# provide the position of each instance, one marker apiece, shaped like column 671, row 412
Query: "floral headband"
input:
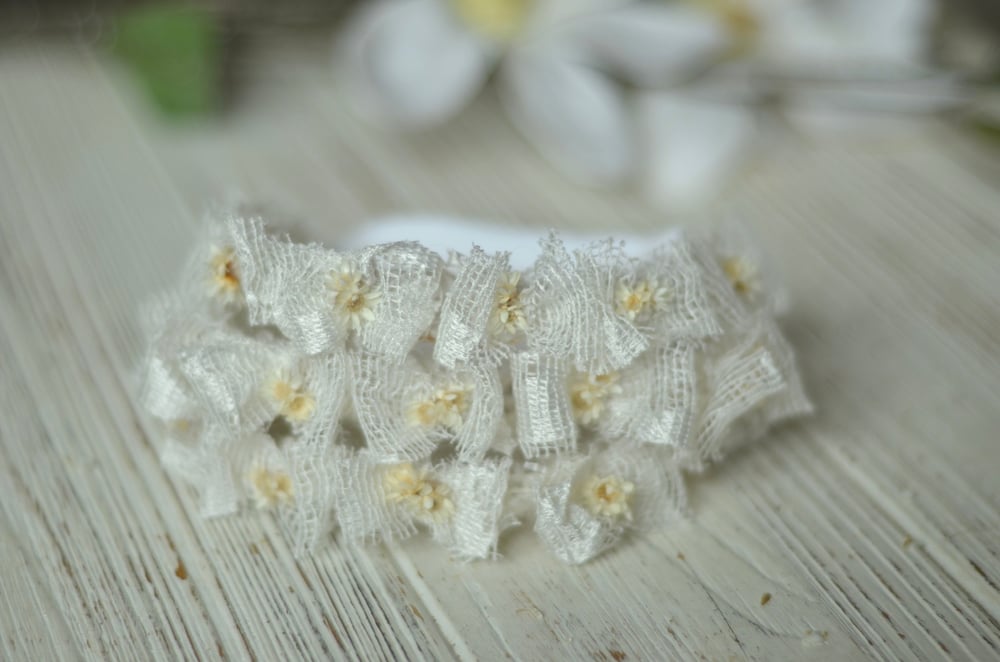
column 388, row 389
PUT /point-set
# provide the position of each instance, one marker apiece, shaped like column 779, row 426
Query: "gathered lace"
column 386, row 391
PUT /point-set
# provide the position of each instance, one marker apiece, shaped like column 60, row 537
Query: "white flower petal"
column 651, row 44
column 694, row 145
column 570, row 113
column 412, row 63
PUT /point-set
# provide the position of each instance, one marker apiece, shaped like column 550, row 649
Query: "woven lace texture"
column 380, row 392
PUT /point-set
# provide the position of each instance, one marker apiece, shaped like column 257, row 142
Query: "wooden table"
column 873, row 527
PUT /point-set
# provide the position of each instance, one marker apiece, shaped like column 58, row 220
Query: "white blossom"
column 549, row 57
column 589, row 393
column 353, row 297
column 270, row 488
column 426, row 499
column 608, row 497
column 508, row 315
column 835, row 68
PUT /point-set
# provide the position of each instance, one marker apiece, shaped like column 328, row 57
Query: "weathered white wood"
column 255, row 601
column 874, row 527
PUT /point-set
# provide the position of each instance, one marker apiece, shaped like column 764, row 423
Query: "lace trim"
column 384, row 391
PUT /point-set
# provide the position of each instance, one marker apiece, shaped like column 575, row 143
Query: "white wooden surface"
column 874, row 526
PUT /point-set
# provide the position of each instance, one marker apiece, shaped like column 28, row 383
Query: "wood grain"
column 873, row 527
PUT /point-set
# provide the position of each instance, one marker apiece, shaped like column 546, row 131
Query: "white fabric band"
column 393, row 386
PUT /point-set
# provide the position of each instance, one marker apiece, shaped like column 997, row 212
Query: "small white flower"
column 294, row 402
column 426, row 499
column 353, row 297
column 608, row 497
column 633, row 300
column 445, row 407
column 224, row 281
column 508, row 313
column 586, row 504
column 270, row 487
column 588, row 395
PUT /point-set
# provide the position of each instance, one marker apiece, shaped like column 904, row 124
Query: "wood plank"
column 872, row 527
column 76, row 286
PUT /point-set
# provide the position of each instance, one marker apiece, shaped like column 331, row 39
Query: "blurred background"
column 656, row 105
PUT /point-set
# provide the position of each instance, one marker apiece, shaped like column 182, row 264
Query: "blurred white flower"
column 704, row 70
column 416, row 63
column 831, row 64
column 508, row 312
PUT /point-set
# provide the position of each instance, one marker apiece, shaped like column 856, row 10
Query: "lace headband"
column 389, row 389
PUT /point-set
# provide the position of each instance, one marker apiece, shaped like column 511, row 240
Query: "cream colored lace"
column 383, row 391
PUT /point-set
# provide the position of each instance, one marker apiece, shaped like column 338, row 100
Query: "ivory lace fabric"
column 389, row 390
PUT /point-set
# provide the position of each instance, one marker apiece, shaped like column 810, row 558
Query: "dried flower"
column 742, row 274
column 633, row 300
column 225, row 281
column 353, row 298
column 426, row 499
column 446, row 407
column 589, row 392
column 294, row 402
column 269, row 487
column 508, row 313
column 608, row 497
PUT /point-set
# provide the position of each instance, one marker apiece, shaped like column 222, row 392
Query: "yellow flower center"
column 224, row 271
column 353, row 298
column 446, row 406
column 589, row 392
column 424, row 497
column 634, row 302
column 296, row 404
column 635, row 299
column 496, row 19
column 741, row 274
column 355, row 302
column 609, row 497
column 508, row 313
column 270, row 487
column 739, row 20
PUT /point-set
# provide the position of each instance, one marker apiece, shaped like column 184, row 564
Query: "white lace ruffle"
column 384, row 391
